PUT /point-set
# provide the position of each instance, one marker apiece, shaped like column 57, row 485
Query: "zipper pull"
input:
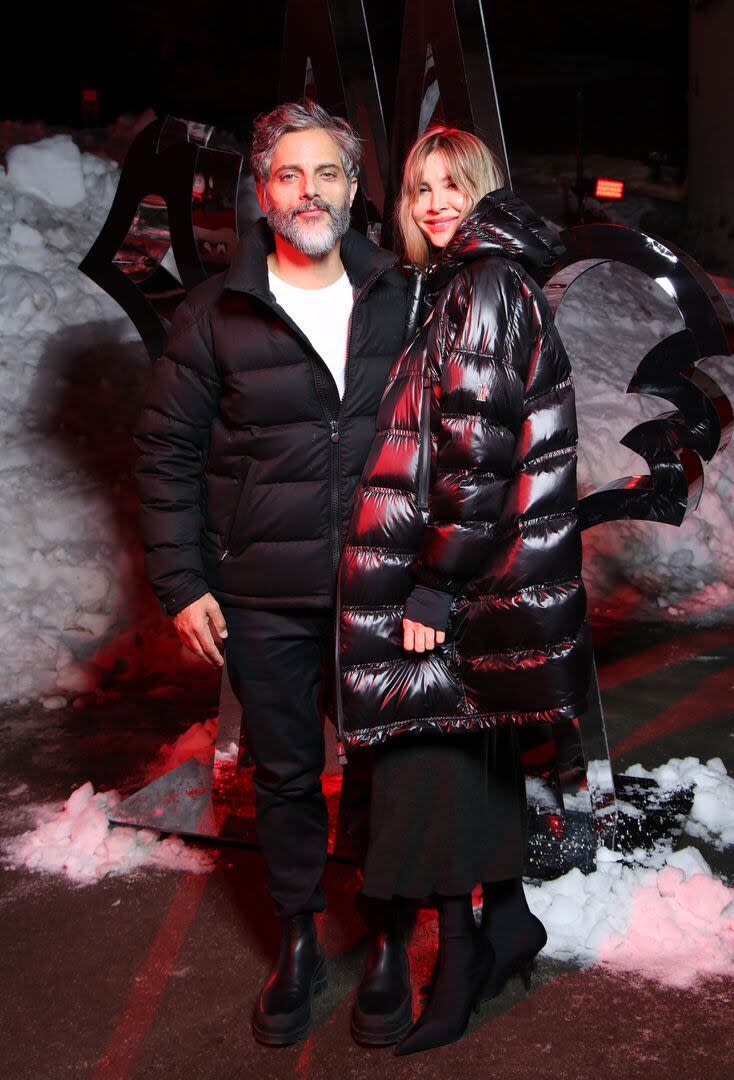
column 334, row 424
column 341, row 752
column 224, row 555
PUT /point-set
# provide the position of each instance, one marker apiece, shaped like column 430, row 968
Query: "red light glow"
column 608, row 189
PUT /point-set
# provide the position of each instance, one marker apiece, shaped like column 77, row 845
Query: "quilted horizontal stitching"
column 175, row 420
column 562, row 452
column 390, row 490
column 481, row 597
column 467, row 521
column 397, row 431
column 378, row 550
column 372, row 607
column 302, row 540
column 481, row 353
column 380, row 665
column 476, row 416
column 517, row 651
column 459, row 721
column 550, row 390
column 546, row 517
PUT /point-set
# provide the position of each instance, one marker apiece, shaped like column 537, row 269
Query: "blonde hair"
column 470, row 163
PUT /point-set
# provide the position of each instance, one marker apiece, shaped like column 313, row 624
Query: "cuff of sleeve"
column 428, row 606
column 178, row 599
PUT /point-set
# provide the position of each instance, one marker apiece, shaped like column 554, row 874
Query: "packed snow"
column 662, row 914
column 78, row 614
column 79, row 842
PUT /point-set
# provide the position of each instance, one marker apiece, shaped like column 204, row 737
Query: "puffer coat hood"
column 469, row 489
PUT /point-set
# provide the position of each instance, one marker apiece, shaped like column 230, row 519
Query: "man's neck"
column 305, row 271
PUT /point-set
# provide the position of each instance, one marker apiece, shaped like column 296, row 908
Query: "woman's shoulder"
column 491, row 279
column 493, row 270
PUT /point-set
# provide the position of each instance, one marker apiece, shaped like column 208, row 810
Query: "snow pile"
column 712, row 814
column 79, row 842
column 672, row 924
column 197, row 741
column 78, row 612
column 661, row 913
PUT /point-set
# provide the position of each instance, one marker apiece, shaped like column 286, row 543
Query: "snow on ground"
column 79, row 842
column 78, row 612
column 662, row 914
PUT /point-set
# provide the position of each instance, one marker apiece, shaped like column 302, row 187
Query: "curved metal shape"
column 673, row 443
column 176, row 193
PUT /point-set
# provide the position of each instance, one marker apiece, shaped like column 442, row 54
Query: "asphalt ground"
column 156, row 973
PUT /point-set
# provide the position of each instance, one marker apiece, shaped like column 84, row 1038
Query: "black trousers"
column 280, row 663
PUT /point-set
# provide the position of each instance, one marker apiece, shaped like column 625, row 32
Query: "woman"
column 461, row 610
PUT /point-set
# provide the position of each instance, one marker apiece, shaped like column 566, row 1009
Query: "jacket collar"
column 500, row 224
column 248, row 271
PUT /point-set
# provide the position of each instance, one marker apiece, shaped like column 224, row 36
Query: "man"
column 256, row 428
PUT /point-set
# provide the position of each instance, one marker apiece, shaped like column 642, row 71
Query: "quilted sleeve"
column 504, row 478
column 172, row 438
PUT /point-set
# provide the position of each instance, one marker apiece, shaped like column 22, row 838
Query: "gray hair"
column 301, row 116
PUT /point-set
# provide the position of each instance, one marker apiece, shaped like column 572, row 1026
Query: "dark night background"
column 218, row 62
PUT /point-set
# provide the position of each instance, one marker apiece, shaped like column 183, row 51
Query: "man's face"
column 307, row 197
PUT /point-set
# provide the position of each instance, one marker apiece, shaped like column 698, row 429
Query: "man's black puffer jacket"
column 248, row 462
column 469, row 495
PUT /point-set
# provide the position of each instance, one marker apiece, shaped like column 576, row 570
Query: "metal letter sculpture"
column 444, row 60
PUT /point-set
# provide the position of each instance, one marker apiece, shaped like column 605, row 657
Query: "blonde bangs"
column 471, row 165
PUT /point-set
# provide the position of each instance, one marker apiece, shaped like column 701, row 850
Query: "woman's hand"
column 418, row 637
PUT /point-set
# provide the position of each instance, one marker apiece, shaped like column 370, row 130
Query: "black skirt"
column 447, row 812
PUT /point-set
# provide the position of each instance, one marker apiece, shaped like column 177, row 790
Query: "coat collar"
column 248, row 271
column 500, row 224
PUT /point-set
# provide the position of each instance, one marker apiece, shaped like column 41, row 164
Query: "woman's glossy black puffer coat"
column 470, row 488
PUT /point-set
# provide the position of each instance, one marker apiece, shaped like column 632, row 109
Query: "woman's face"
column 439, row 205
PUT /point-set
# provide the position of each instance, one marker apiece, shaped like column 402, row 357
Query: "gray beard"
column 303, row 238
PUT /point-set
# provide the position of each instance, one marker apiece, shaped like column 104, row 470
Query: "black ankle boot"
column 283, row 1012
column 465, row 959
column 383, row 1010
column 515, row 934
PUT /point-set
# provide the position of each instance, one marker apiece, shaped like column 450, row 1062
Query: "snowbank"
column 79, row 842
column 671, row 924
column 78, row 614
column 660, row 913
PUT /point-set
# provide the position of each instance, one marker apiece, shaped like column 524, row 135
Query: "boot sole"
column 400, row 1022
column 287, row 1037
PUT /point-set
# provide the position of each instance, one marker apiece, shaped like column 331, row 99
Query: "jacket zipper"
column 244, row 486
column 424, row 443
column 340, row 743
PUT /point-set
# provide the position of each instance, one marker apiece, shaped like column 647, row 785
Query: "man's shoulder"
column 201, row 297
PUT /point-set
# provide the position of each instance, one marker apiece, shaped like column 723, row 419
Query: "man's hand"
column 418, row 637
column 201, row 627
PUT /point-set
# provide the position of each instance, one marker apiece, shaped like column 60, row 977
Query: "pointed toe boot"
column 465, row 960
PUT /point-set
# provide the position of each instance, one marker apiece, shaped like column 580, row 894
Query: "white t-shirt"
column 323, row 316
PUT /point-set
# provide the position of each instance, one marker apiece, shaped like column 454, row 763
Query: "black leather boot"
column 383, row 1010
column 515, row 934
column 465, row 959
column 283, row 1012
